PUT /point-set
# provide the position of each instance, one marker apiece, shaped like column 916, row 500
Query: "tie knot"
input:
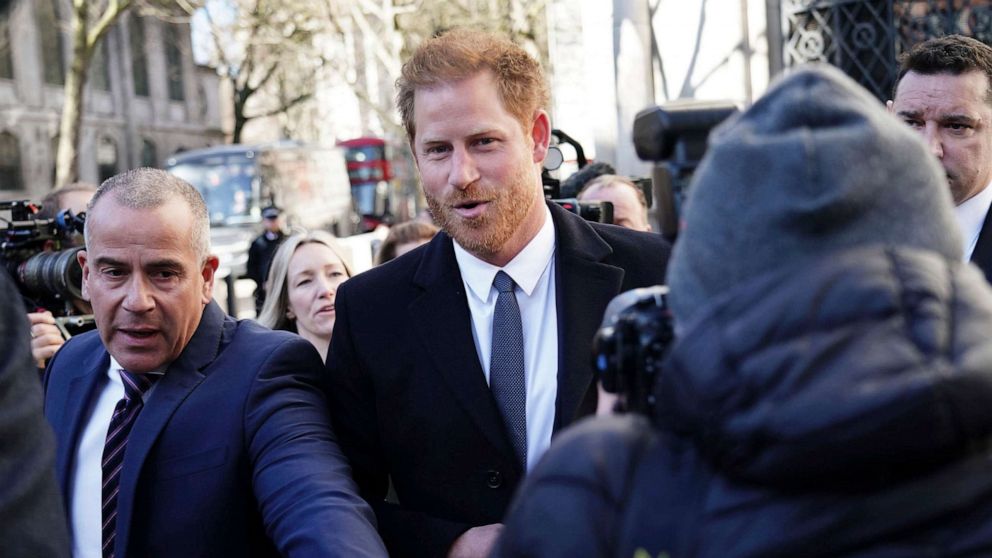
column 503, row 282
column 135, row 385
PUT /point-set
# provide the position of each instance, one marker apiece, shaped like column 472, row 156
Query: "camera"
column 557, row 192
column 638, row 328
column 629, row 347
column 674, row 137
column 37, row 253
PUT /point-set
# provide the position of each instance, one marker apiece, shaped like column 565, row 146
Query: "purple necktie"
column 125, row 413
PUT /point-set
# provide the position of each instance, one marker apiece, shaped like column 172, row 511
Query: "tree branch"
column 113, row 10
column 282, row 108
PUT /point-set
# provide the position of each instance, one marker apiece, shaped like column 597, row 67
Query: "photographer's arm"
column 45, row 337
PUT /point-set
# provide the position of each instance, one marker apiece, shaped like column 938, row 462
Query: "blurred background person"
column 580, row 178
column 46, row 338
column 261, row 251
column 303, row 280
column 829, row 390
column 32, row 518
column 73, row 197
column 404, row 237
column 630, row 207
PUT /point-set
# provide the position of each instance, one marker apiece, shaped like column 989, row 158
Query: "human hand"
column 606, row 402
column 45, row 337
column 477, row 542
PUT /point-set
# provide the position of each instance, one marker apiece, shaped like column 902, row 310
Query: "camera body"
column 629, row 348
column 562, row 194
column 37, row 253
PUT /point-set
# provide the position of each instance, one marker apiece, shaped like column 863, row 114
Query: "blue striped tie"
column 126, row 412
column 506, row 365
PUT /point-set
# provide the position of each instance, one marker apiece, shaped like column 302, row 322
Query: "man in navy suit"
column 450, row 367
column 944, row 92
column 182, row 432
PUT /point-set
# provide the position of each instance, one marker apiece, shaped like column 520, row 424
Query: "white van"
column 308, row 183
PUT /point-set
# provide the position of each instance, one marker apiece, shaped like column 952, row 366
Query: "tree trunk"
column 239, row 125
column 67, row 156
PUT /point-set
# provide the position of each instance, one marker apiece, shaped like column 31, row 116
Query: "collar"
column 115, row 366
column 525, row 268
column 971, row 216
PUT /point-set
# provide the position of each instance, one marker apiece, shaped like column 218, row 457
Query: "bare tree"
column 394, row 28
column 274, row 53
column 88, row 25
column 266, row 55
column 89, row 22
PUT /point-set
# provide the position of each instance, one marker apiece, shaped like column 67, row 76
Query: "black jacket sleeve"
column 32, row 517
column 573, row 503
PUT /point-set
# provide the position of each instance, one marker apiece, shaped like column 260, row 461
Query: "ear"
column 209, row 272
column 81, row 257
column 290, row 315
column 540, row 133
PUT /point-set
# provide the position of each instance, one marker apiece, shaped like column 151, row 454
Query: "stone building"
column 145, row 98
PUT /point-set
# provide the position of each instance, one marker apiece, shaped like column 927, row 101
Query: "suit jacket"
column 408, row 395
column 982, row 255
column 232, row 454
column 32, row 521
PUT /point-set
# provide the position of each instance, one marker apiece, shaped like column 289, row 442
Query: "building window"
column 50, row 32
column 10, row 162
column 139, row 61
column 99, row 72
column 6, row 61
column 149, row 155
column 174, row 61
column 106, row 158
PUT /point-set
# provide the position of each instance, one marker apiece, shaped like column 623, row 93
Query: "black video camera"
column 598, row 211
column 638, row 328
column 631, row 344
column 36, row 252
column 674, row 137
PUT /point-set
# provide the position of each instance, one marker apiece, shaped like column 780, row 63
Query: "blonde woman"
column 303, row 280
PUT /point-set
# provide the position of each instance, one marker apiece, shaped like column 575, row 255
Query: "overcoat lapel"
column 444, row 325
column 70, row 415
column 180, row 379
column 584, row 286
column 982, row 255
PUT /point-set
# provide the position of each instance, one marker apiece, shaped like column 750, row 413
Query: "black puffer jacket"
column 844, row 409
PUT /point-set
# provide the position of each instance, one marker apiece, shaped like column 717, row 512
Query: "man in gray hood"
column 830, row 390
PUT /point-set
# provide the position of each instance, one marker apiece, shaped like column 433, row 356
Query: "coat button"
column 494, row 479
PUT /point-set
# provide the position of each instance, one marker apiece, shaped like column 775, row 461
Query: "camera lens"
column 54, row 274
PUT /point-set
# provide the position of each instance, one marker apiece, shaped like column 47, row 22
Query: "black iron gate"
column 864, row 37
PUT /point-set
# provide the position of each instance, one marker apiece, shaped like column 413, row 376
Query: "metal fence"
column 865, row 37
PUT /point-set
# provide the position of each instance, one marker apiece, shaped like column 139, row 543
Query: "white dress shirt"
column 971, row 216
column 87, row 477
column 533, row 270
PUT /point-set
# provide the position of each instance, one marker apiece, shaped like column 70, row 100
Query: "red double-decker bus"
column 370, row 174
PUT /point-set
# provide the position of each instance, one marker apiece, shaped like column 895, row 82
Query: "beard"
column 484, row 236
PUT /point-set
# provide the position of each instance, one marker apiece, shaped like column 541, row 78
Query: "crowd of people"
column 828, row 393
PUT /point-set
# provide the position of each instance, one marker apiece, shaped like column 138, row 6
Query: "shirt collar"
column 115, row 366
column 971, row 216
column 525, row 268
